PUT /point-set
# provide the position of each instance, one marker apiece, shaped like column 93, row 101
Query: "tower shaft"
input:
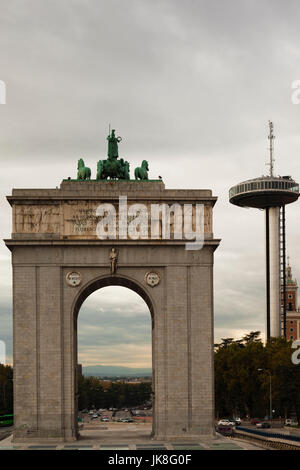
column 273, row 271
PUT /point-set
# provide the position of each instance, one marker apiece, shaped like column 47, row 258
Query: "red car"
column 255, row 421
column 225, row 430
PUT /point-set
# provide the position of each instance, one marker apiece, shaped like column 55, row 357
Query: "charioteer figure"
column 113, row 151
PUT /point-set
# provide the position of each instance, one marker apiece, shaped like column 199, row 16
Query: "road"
column 274, row 429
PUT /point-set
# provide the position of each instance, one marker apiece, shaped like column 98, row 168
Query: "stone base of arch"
column 45, row 333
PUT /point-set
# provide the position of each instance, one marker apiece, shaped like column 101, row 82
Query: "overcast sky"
column 190, row 86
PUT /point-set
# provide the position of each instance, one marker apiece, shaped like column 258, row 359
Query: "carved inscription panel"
column 36, row 218
column 79, row 220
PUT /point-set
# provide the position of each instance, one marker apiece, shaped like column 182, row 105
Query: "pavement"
column 127, row 436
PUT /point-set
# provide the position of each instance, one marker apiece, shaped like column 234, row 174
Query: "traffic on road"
column 124, row 415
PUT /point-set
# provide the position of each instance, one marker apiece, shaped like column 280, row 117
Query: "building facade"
column 292, row 309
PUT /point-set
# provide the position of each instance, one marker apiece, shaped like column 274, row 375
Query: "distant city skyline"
column 190, row 88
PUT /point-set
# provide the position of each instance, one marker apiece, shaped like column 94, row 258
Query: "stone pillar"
column 184, row 373
column 51, row 367
column 26, row 360
column 38, row 366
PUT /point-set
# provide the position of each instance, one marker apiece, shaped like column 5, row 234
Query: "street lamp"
column 266, row 370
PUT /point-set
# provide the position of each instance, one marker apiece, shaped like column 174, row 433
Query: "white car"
column 225, row 422
column 290, row 422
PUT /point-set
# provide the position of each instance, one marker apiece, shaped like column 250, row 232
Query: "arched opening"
column 117, row 302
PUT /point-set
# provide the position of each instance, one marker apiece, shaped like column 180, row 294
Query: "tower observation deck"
column 264, row 192
column 270, row 193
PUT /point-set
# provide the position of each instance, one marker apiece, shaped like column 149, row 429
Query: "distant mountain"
column 115, row 371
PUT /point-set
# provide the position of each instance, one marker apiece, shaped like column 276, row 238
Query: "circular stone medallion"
column 73, row 278
column 152, row 278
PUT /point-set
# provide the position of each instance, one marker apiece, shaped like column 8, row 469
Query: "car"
column 255, row 421
column 237, row 421
column 226, row 422
column 290, row 422
column 105, row 420
column 95, row 415
column 263, row 424
column 225, row 430
column 223, row 422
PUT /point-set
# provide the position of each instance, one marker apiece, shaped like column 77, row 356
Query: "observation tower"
column 271, row 193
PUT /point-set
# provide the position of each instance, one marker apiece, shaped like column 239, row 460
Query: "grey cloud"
column 113, row 321
column 162, row 71
column 189, row 86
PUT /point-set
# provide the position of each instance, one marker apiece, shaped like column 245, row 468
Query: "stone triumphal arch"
column 63, row 248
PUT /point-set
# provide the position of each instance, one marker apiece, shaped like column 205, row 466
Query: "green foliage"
column 241, row 389
column 94, row 392
column 6, row 389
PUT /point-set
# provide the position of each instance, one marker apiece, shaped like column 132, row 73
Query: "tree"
column 6, row 389
column 95, row 393
column 240, row 388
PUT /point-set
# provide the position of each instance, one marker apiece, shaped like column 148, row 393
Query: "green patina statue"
column 83, row 173
column 112, row 167
column 112, row 151
column 142, row 172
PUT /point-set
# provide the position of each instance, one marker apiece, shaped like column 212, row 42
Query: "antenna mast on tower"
column 271, row 138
